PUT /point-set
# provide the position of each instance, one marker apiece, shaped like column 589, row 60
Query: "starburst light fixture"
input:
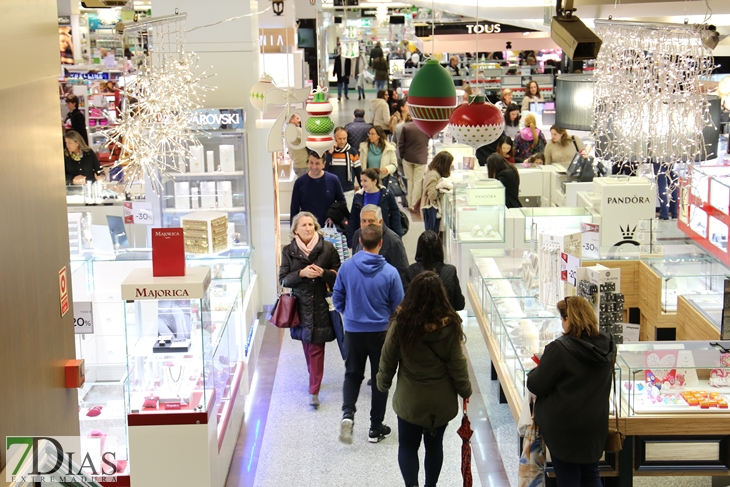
column 155, row 128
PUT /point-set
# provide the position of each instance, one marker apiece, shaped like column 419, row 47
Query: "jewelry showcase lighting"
column 648, row 103
column 155, row 129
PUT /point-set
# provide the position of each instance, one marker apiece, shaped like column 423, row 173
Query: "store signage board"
column 569, row 268
column 63, row 290
column 485, row 196
column 591, row 239
column 83, row 314
column 88, row 76
column 139, row 213
column 219, row 119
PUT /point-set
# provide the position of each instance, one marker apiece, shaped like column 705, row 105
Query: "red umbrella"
column 466, row 432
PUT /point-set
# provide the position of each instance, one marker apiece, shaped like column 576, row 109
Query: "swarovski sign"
column 216, row 119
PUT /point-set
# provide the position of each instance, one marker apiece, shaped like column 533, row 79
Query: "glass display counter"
column 678, row 377
column 687, row 275
column 213, row 180
column 709, row 306
column 538, row 220
column 502, row 273
column 475, row 211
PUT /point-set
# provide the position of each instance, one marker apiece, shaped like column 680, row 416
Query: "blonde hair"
column 76, row 137
column 505, row 91
column 299, row 216
column 580, row 315
column 531, row 122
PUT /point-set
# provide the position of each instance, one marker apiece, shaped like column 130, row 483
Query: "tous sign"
column 481, row 29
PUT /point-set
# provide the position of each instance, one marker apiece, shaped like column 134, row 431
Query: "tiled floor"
column 285, row 442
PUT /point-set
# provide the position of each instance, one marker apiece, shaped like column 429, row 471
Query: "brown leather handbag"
column 285, row 313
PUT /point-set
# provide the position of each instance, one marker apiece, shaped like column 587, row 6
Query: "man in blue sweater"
column 315, row 191
column 367, row 291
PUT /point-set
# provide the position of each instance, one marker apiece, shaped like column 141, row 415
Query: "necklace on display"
column 177, row 380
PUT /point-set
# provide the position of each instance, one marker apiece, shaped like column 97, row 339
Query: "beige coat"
column 299, row 157
column 431, row 197
column 379, row 113
column 554, row 152
column 387, row 161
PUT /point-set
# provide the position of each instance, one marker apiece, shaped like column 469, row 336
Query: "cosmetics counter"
column 673, row 396
column 162, row 371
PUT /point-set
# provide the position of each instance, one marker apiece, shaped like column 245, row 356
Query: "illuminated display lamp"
column 476, row 123
column 431, row 98
column 258, row 91
column 320, row 125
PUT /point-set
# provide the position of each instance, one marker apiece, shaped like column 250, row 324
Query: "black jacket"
column 572, row 385
column 316, row 326
column 78, row 123
column 449, row 279
column 511, row 182
column 88, row 166
column 392, row 249
column 337, row 70
column 388, row 206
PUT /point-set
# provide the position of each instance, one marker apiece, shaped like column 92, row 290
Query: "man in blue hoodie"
column 367, row 291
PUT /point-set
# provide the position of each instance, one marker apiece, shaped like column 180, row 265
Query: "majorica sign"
column 160, row 293
column 481, row 29
column 627, row 200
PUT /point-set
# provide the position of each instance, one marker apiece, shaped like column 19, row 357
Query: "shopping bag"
column 396, row 185
column 339, row 240
column 532, row 460
column 337, row 324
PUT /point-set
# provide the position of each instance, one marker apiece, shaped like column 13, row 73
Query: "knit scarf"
column 307, row 248
column 346, row 150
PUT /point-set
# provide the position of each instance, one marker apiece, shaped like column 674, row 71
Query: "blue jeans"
column 576, row 474
column 339, row 88
column 409, row 441
column 379, row 85
column 663, row 179
column 361, row 91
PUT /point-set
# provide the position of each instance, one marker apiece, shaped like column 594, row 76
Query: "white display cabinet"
column 213, row 177
column 532, row 221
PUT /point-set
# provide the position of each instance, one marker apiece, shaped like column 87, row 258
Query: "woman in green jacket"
column 424, row 344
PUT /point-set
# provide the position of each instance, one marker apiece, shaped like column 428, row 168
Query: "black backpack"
column 405, row 223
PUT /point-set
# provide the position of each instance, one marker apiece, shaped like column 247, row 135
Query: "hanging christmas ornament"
column 259, row 89
column 320, row 125
column 431, row 98
column 476, row 123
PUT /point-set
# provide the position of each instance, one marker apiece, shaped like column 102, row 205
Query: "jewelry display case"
column 699, row 274
column 704, row 208
column 708, row 305
column 475, row 211
column 681, row 377
column 213, row 177
column 538, row 220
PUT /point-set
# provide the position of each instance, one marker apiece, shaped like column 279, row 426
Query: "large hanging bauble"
column 258, row 91
column 476, row 123
column 320, row 125
column 431, row 98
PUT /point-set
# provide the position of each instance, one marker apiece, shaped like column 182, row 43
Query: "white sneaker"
column 346, row 430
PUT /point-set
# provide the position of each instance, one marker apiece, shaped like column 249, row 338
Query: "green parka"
column 429, row 380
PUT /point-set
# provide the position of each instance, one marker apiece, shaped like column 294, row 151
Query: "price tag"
column 83, row 314
column 139, row 213
column 591, row 239
column 569, row 268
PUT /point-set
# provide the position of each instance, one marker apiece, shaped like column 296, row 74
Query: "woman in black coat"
column 80, row 162
column 308, row 265
column 75, row 120
column 372, row 193
column 498, row 168
column 430, row 257
column 572, row 384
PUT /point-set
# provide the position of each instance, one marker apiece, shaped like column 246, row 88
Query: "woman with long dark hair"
column 512, row 118
column 378, row 153
column 423, row 344
column 498, row 168
column 430, row 257
column 372, row 193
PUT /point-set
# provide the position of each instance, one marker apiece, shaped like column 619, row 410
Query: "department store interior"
column 138, row 290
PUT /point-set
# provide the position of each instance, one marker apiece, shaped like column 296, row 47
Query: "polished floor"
column 283, row 441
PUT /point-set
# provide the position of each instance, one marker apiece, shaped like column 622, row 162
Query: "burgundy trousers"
column 314, row 353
